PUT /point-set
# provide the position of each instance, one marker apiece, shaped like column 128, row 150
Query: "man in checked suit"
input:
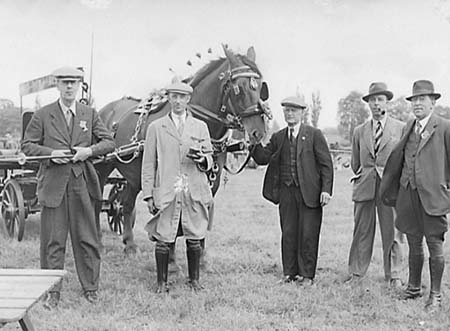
column 300, row 179
column 372, row 143
column 68, row 187
column 417, row 181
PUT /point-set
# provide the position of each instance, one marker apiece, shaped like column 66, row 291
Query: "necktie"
column 68, row 116
column 378, row 135
column 418, row 129
column 291, row 134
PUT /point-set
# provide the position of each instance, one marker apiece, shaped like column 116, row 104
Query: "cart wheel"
column 13, row 209
column 115, row 214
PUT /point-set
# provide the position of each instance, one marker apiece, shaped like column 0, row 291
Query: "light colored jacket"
column 364, row 164
column 175, row 182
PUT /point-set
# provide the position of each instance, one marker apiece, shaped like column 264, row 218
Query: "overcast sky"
column 334, row 46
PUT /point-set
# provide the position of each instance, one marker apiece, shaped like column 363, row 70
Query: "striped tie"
column 378, row 135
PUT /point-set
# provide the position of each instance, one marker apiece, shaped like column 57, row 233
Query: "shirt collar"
column 382, row 121
column 423, row 122
column 64, row 108
column 296, row 129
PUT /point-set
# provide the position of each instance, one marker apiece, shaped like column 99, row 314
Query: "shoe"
column 289, row 279
column 434, row 302
column 161, row 288
column 411, row 293
column 195, row 285
column 352, row 279
column 91, row 296
column 52, row 300
column 395, row 283
column 306, row 282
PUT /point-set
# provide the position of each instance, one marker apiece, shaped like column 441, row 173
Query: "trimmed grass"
column 241, row 289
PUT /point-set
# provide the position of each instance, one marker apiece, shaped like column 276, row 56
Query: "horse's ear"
column 251, row 55
column 230, row 56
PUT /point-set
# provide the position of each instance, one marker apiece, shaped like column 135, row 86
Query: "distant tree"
column 316, row 107
column 351, row 112
column 443, row 111
column 400, row 109
column 306, row 112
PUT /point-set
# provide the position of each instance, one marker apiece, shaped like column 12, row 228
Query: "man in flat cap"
column 299, row 179
column 177, row 154
column 68, row 186
column 372, row 143
column 417, row 181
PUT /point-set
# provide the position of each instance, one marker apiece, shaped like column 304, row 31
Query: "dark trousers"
column 300, row 230
column 75, row 214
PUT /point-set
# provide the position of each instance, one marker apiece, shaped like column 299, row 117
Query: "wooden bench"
column 20, row 289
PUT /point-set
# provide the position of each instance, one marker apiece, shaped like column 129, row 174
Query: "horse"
column 228, row 93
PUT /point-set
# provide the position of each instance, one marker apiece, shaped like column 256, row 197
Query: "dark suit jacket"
column 432, row 167
column 314, row 165
column 48, row 131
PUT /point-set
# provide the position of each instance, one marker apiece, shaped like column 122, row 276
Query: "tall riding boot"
column 414, row 289
column 193, row 257
column 436, row 270
column 162, row 263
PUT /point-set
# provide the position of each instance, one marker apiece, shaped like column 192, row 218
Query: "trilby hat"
column 295, row 102
column 68, row 73
column 180, row 87
column 378, row 88
column 423, row 87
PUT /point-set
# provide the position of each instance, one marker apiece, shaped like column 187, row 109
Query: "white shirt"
column 423, row 122
column 374, row 124
column 64, row 108
column 296, row 130
column 178, row 119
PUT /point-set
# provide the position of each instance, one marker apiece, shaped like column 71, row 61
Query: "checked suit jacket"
column 48, row 131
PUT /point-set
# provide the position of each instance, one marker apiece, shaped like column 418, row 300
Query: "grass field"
column 241, row 289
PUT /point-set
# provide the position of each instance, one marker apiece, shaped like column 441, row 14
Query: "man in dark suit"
column 300, row 179
column 417, row 176
column 372, row 143
column 68, row 185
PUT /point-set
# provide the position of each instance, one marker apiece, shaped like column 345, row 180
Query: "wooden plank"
column 8, row 315
column 33, row 272
column 16, row 303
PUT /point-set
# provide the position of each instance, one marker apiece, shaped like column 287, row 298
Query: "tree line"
column 353, row 111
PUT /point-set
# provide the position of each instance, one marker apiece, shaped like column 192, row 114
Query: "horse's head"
column 245, row 93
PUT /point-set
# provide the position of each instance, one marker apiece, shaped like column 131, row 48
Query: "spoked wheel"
column 13, row 209
column 115, row 212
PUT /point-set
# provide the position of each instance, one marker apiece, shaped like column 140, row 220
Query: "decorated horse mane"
column 214, row 64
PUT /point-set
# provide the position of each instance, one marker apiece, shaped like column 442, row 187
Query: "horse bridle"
column 232, row 75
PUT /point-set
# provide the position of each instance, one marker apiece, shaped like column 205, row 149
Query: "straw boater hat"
column 423, row 87
column 378, row 88
column 179, row 87
column 68, row 73
column 295, row 102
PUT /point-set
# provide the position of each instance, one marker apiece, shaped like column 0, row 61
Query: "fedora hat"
column 179, row 87
column 68, row 73
column 295, row 102
column 378, row 88
column 423, row 87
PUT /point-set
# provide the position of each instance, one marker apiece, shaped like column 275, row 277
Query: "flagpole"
column 90, row 73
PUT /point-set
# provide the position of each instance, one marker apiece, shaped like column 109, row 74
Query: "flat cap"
column 179, row 87
column 295, row 102
column 68, row 73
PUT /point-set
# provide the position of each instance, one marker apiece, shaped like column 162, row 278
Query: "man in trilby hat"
column 299, row 179
column 68, row 186
column 177, row 153
column 372, row 143
column 417, row 181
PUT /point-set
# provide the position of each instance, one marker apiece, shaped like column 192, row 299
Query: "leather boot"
column 436, row 270
column 193, row 257
column 414, row 290
column 162, row 264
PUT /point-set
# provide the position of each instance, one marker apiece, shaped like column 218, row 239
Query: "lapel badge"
column 303, row 137
column 424, row 135
column 83, row 126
